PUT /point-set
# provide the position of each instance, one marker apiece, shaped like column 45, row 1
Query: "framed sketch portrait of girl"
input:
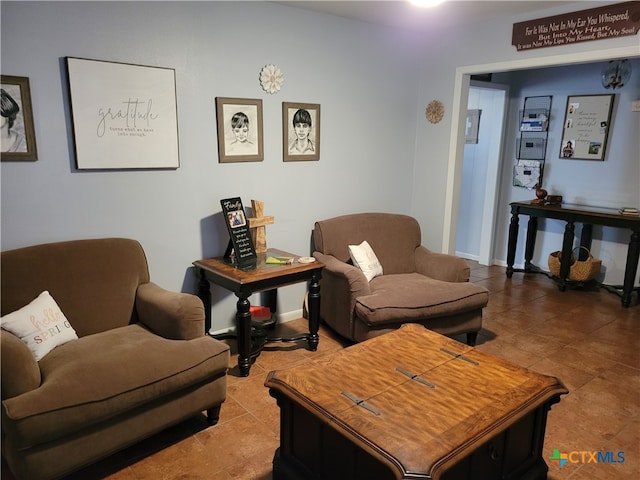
column 18, row 138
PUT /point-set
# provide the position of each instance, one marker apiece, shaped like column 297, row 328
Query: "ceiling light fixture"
column 426, row 3
column 616, row 73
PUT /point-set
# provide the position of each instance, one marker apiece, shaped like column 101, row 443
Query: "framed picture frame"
column 300, row 131
column 587, row 121
column 18, row 141
column 472, row 126
column 124, row 116
column 239, row 122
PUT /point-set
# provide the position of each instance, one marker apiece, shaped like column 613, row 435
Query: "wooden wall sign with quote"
column 240, row 243
column 611, row 21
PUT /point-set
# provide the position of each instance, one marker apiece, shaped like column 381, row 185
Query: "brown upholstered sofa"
column 417, row 285
column 141, row 363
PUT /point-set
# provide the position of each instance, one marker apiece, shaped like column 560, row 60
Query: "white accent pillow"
column 41, row 325
column 365, row 259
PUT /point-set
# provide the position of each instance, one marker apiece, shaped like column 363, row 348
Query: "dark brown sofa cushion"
column 120, row 369
column 413, row 297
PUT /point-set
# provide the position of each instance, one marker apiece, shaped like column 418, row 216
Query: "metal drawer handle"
column 493, row 452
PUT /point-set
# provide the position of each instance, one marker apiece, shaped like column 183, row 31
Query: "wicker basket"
column 554, row 263
column 584, row 270
column 580, row 270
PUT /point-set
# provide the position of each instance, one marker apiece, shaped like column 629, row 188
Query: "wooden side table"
column 412, row 404
column 245, row 281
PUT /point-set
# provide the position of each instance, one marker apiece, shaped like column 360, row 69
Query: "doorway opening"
column 462, row 85
column 481, row 166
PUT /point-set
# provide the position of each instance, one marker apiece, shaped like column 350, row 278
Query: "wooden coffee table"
column 412, row 404
column 260, row 277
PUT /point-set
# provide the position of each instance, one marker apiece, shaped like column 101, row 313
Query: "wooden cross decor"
column 257, row 225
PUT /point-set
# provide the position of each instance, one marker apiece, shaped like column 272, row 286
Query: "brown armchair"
column 140, row 364
column 417, row 285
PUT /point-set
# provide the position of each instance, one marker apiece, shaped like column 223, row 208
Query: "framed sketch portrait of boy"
column 300, row 131
column 239, row 130
column 18, row 138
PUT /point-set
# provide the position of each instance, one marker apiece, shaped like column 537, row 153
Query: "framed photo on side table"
column 587, row 120
column 300, row 131
column 239, row 130
column 18, row 141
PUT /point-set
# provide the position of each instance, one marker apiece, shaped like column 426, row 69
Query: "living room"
column 378, row 152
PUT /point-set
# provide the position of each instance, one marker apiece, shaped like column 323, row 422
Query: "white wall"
column 352, row 70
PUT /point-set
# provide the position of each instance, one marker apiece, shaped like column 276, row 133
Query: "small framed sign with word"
column 241, row 249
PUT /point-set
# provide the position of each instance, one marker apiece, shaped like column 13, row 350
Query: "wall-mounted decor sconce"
column 616, row 73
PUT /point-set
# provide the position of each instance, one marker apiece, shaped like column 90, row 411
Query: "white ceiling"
column 400, row 13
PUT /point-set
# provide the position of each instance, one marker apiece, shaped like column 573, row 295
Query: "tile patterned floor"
column 585, row 338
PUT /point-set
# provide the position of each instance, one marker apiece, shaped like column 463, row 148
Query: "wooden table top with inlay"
column 417, row 400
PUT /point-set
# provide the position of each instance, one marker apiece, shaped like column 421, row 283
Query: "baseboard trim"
column 280, row 318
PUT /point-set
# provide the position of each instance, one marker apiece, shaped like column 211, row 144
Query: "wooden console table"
column 412, row 404
column 245, row 281
column 572, row 214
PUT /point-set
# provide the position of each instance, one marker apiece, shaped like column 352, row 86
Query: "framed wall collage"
column 240, row 130
column 124, row 116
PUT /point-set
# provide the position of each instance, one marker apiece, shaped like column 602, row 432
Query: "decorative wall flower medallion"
column 435, row 111
column 271, row 78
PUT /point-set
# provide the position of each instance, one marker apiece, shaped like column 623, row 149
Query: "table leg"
column 243, row 330
column 204, row 293
column 532, row 232
column 565, row 260
column 513, row 239
column 314, row 311
column 585, row 241
column 271, row 300
column 633, row 254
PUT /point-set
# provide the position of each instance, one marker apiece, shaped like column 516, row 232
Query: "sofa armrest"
column 174, row 315
column 441, row 266
column 358, row 283
column 20, row 371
